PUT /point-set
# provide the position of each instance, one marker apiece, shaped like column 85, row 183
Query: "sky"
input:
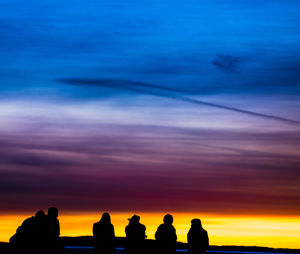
column 188, row 107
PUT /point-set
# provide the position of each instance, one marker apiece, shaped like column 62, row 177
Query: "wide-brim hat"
column 134, row 218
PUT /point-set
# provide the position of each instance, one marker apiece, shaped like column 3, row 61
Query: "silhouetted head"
column 40, row 213
column 196, row 223
column 53, row 212
column 134, row 219
column 168, row 219
column 105, row 218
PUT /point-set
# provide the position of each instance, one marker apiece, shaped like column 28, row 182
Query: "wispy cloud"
column 156, row 90
column 81, row 166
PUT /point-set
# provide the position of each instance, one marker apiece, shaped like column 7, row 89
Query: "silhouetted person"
column 38, row 232
column 51, row 229
column 104, row 235
column 197, row 238
column 135, row 236
column 166, row 236
column 29, row 234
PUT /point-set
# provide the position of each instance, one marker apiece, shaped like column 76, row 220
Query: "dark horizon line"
column 211, row 248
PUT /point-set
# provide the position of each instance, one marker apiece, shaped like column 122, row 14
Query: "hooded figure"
column 197, row 238
column 104, row 235
column 135, row 236
column 166, row 236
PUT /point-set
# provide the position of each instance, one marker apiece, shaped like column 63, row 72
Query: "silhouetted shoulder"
column 205, row 236
column 158, row 231
column 143, row 227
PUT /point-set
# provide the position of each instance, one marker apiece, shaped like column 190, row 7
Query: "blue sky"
column 167, row 43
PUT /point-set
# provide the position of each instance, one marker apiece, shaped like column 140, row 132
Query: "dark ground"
column 81, row 245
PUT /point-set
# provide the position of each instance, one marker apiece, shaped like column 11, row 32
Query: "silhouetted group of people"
column 104, row 236
column 42, row 231
column 39, row 231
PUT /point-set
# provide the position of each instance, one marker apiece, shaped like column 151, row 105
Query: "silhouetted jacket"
column 29, row 234
column 166, row 238
column 197, row 241
column 135, row 238
column 23, row 237
column 104, row 237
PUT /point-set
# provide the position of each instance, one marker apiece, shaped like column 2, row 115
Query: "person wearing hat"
column 197, row 238
column 166, row 236
column 135, row 236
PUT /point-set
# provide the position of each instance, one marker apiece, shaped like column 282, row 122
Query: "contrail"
column 156, row 90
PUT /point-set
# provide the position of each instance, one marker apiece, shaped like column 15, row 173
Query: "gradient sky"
column 151, row 106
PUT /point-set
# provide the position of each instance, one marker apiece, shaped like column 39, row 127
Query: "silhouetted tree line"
column 42, row 231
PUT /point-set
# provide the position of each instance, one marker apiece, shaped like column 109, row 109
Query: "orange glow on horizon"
column 277, row 232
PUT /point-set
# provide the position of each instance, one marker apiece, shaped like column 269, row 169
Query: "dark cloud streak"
column 156, row 90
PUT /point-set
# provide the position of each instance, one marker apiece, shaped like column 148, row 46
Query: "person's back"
column 104, row 235
column 27, row 235
column 135, row 236
column 198, row 241
column 51, row 228
column 166, row 236
column 23, row 236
